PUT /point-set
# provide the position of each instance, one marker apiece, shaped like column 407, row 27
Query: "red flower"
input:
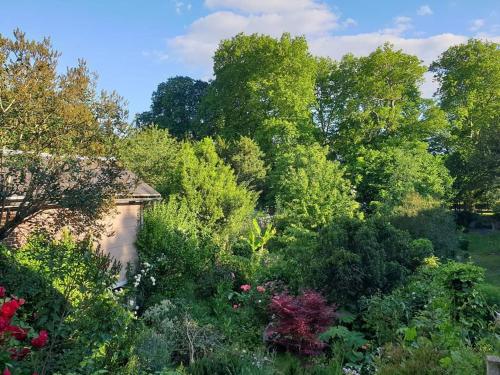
column 9, row 308
column 40, row 340
column 261, row 289
column 245, row 287
column 17, row 332
column 6, row 372
column 2, row 292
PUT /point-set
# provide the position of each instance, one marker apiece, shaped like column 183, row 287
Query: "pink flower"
column 6, row 372
column 246, row 287
column 261, row 289
column 2, row 292
column 236, row 306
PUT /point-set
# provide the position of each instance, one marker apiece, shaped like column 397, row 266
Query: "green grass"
column 484, row 248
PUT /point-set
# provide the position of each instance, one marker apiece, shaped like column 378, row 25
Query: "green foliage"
column 73, row 294
column 196, row 175
column 427, row 218
column 174, row 106
column 247, row 161
column 48, row 122
column 469, row 93
column 309, row 190
column 152, row 155
column 345, row 343
column 275, row 79
column 374, row 100
column 386, row 177
column 172, row 251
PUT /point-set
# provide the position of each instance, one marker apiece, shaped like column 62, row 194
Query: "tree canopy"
column 175, row 105
column 57, row 137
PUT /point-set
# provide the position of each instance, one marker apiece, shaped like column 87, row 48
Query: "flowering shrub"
column 297, row 322
column 14, row 344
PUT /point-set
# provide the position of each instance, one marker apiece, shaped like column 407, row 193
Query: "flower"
column 236, row 306
column 245, row 287
column 2, row 292
column 261, row 289
column 9, row 308
column 17, row 332
column 6, row 372
column 40, row 340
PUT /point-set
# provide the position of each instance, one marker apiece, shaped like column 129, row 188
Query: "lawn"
column 484, row 248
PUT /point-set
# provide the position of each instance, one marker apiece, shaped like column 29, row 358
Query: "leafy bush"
column 72, row 295
column 171, row 251
column 308, row 189
column 298, row 322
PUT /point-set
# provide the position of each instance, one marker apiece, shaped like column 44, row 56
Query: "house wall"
column 118, row 239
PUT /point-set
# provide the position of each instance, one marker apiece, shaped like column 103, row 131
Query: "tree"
column 174, row 107
column 247, row 161
column 152, row 154
column 373, row 100
column 192, row 172
column 57, row 138
column 258, row 78
column 469, row 93
column 308, row 189
column 385, row 177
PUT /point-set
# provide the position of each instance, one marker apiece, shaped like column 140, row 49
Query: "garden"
column 315, row 216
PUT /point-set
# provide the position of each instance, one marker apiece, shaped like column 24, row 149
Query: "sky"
column 134, row 45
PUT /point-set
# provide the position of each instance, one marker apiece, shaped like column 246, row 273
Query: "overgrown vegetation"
column 305, row 225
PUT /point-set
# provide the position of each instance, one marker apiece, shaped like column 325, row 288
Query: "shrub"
column 72, row 293
column 172, row 253
column 308, row 189
column 18, row 342
column 298, row 322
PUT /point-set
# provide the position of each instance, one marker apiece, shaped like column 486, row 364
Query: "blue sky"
column 133, row 45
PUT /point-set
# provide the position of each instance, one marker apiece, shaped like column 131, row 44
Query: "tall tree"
column 175, row 105
column 309, row 190
column 469, row 92
column 57, row 137
column 373, row 100
column 258, row 78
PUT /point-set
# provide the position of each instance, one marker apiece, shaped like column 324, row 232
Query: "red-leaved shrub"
column 297, row 322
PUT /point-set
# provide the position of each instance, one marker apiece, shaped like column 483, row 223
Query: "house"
column 121, row 224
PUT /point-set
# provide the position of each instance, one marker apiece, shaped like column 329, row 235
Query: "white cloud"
column 272, row 17
column 311, row 18
column 401, row 24
column 424, row 10
column 477, row 24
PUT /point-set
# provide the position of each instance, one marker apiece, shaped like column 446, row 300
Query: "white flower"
column 153, row 280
